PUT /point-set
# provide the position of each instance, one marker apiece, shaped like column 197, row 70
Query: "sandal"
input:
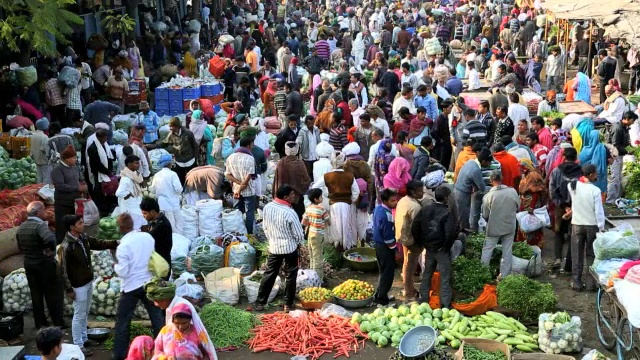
column 258, row 307
column 289, row 308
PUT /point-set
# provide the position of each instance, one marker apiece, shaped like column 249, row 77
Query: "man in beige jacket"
column 406, row 210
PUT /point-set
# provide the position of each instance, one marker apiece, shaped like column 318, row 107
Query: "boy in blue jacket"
column 385, row 244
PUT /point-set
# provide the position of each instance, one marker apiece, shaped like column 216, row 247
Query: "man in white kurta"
column 167, row 188
column 129, row 193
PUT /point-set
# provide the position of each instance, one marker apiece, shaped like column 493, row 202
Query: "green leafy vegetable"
column 522, row 250
column 135, row 330
column 530, row 297
column 473, row 250
column 473, row 353
column 332, row 256
column 469, row 275
column 226, row 325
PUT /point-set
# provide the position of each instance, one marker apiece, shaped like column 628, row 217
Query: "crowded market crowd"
column 397, row 125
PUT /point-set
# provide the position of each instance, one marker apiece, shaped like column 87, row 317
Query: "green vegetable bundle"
column 473, row 353
column 178, row 266
column 332, row 256
column 108, row 229
column 159, row 289
column 226, row 325
column 135, row 330
column 473, row 250
column 530, row 297
column 550, row 115
column 15, row 174
column 469, row 275
column 632, row 173
column 522, row 250
column 207, row 258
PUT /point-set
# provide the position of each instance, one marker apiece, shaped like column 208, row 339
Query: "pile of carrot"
column 309, row 335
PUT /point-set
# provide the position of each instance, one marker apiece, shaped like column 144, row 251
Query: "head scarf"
column 324, row 149
column 583, row 128
column 398, row 175
column 325, row 138
column 615, row 85
column 532, row 182
column 291, row 148
column 433, row 179
column 141, row 348
column 594, row 152
column 351, row 148
column 338, row 159
column 584, row 88
column 42, row 124
column 203, row 336
column 164, row 160
column 197, row 126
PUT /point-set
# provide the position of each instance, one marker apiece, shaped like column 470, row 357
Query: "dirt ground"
column 580, row 304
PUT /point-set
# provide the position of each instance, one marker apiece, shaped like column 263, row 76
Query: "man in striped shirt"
column 284, row 233
column 323, row 48
column 241, row 172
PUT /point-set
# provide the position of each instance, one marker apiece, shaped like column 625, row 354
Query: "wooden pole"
column 566, row 47
column 589, row 62
column 546, row 25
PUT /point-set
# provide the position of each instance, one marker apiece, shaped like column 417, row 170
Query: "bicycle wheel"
column 626, row 348
column 607, row 315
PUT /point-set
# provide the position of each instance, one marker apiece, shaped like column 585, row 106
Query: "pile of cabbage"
column 15, row 174
column 108, row 229
column 15, row 292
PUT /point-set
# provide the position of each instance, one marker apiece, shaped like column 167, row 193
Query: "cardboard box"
column 541, row 356
column 482, row 344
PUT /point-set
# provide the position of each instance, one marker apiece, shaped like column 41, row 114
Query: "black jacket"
column 284, row 136
column 420, row 163
column 161, row 231
column 391, row 82
column 294, row 104
column 423, row 232
column 75, row 259
column 607, row 69
column 34, row 238
column 620, row 138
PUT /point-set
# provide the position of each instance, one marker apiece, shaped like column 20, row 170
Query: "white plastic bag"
column 554, row 338
column 543, row 214
column 616, row 244
column 251, row 287
column 209, row 217
column 90, row 212
column 530, row 267
column 306, row 279
column 189, row 222
column 232, row 221
column 595, row 355
column 46, row 192
column 242, row 256
column 154, row 157
column 180, row 247
column 329, row 309
column 627, row 292
column 70, row 352
column 187, row 286
column 120, row 137
column 528, row 222
column 224, row 285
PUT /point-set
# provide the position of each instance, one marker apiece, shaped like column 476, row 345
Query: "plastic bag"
column 47, row 192
column 209, row 217
column 627, row 292
column 69, row 76
column 120, row 137
column 251, row 287
column 528, row 222
column 329, row 309
column 232, row 221
column 15, row 291
column 556, row 338
column 88, row 210
column 306, row 279
column 123, row 122
column 154, row 157
column 181, row 246
column 187, row 286
column 189, row 221
column 605, row 269
column 206, row 258
column 530, row 267
column 70, row 352
column 241, row 256
column 158, row 266
column 224, row 285
column 543, row 214
column 105, row 296
column 594, row 355
column 102, row 263
column 26, row 76
column 614, row 244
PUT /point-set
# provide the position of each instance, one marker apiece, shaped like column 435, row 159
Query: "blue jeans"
column 552, row 82
column 126, row 306
column 81, row 306
column 247, row 205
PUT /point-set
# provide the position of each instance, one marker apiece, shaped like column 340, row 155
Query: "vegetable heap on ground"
column 469, row 275
column 314, row 294
column 353, row 290
column 226, row 325
column 522, row 250
column 135, row 330
column 306, row 334
column 389, row 325
column 632, row 173
column 473, row 250
column 527, row 296
column 473, row 353
column 559, row 333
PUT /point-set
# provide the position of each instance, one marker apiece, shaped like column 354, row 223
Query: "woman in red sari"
column 533, row 195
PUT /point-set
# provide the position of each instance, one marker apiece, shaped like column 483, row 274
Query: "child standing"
column 316, row 218
column 385, row 244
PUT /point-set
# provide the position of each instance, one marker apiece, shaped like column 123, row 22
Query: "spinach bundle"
column 530, row 297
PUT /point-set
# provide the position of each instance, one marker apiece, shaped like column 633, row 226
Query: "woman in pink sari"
column 317, row 81
column 398, row 176
column 141, row 348
column 184, row 337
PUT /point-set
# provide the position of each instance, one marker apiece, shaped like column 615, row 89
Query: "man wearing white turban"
column 323, row 165
column 342, row 190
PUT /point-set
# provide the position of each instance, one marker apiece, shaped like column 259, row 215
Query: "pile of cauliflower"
column 559, row 333
column 16, row 295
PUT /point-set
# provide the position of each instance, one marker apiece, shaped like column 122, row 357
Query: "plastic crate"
column 175, row 104
column 11, row 324
column 216, row 108
column 162, row 93
column 162, row 112
column 175, row 94
column 211, row 89
column 175, row 112
column 191, row 93
column 162, row 103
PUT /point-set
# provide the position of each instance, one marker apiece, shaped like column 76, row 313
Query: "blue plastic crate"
column 162, row 112
column 175, row 104
column 175, row 94
column 191, row 93
column 162, row 93
column 211, row 89
column 175, row 112
column 216, row 108
column 162, row 103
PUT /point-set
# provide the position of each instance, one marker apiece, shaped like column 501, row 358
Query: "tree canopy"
column 33, row 22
